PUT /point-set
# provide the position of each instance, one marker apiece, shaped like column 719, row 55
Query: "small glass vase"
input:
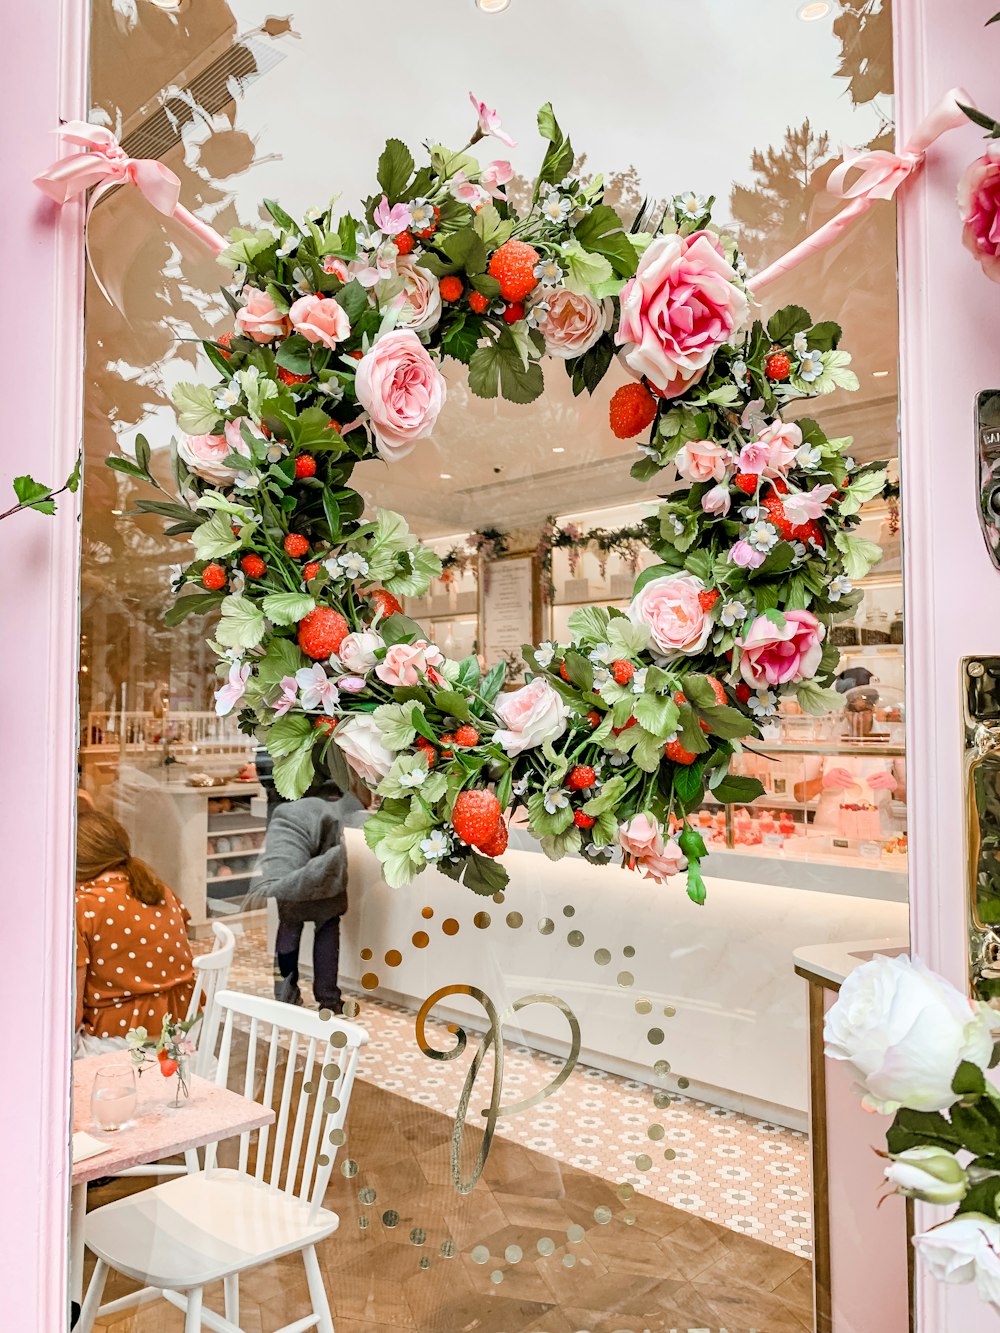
column 182, row 1089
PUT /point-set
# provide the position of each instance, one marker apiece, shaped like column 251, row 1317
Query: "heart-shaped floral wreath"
column 339, row 331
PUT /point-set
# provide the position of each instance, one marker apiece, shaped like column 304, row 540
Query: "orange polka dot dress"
column 133, row 961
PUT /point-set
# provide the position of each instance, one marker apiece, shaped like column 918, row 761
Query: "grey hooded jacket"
column 304, row 862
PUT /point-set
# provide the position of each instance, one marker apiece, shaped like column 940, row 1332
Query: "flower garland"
column 340, row 326
column 627, row 542
column 486, row 544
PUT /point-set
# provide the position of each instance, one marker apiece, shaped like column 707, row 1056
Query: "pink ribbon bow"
column 881, row 176
column 106, row 165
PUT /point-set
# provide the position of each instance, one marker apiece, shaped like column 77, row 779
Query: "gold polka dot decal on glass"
column 393, row 958
column 331, row 1072
column 338, row 1137
column 418, row 1236
column 515, row 920
column 325, row 1015
column 450, row 926
column 481, row 920
column 574, row 939
column 366, row 955
column 424, row 1262
column 369, row 981
column 602, row 957
column 628, row 951
column 654, row 1036
column 625, row 1192
column 363, row 1223
column 569, row 910
column 367, row 1195
column 602, row 1215
column 661, row 1100
column 626, row 979
column 575, row 1233
column 322, row 1160
column 545, row 1246
column 338, row 1039
column 448, row 1249
column 643, row 1006
column 480, row 1254
column 496, row 1277
column 546, row 926
column 427, row 913
column 655, row 1132
column 420, row 939
column 661, row 1068
column 643, row 1162
column 331, row 1105
column 629, row 1219
column 669, row 1011
column 513, row 1254
column 684, row 1083
column 309, row 1087
column 349, row 1169
column 390, row 1218
column 351, row 1010
column 669, row 1154
column 569, row 1261
column 499, row 897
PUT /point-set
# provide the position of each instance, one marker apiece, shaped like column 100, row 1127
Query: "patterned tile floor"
column 747, row 1175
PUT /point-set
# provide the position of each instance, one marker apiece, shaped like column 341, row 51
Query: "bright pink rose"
column 405, row 663
column 773, row 656
column 979, row 201
column 260, row 319
column 573, row 322
column 402, row 391
column 702, row 460
column 678, row 623
column 783, row 440
column 717, row 501
column 532, row 715
column 682, row 304
column 320, row 319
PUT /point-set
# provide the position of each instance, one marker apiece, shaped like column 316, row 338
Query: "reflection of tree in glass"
column 864, row 29
column 772, row 214
column 624, row 190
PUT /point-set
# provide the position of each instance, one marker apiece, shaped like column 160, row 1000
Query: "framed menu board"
column 510, row 612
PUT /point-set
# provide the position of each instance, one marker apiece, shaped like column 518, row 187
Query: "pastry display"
column 860, row 820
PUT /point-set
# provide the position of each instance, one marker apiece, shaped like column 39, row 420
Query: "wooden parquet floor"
column 661, row 1271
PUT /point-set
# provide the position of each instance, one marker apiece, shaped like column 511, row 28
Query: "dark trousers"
column 326, row 959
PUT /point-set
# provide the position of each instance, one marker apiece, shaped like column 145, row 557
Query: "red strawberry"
column 168, row 1067
column 253, row 567
column 778, row 365
column 564, row 673
column 742, row 691
column 476, row 817
column 225, row 341
column 213, row 577
column 497, row 845
column 295, row 545
column 513, row 266
column 311, row 570
column 289, row 377
column 466, row 735
column 675, row 751
column 384, row 603
column 479, row 303
column 405, row 243
column 305, row 466
column 622, row 672
column 776, row 514
column 580, row 777
column 618, row 730
column 583, row 821
column 514, row 312
column 594, row 718
column 809, row 532
column 451, row 288
column 446, row 739
column 429, row 230
column 746, row 482
column 326, row 724
column 322, row 632
column 708, row 597
column 633, row 408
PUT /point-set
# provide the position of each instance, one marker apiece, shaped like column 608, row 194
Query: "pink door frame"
column 953, row 603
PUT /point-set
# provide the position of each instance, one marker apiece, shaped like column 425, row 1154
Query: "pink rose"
column 422, row 308
column 702, row 460
column 801, row 506
column 773, row 656
column 260, row 319
column 320, row 319
column 531, row 715
column 405, row 663
column 979, row 202
column 659, row 866
column 203, row 454
column 360, row 740
column 744, row 555
column 677, row 621
column 782, row 440
column 682, row 304
column 717, row 501
column 402, row 390
column 639, row 837
column 573, row 322
column 753, row 457
column 357, row 652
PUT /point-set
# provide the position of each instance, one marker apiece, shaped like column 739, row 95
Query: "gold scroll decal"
column 492, row 1039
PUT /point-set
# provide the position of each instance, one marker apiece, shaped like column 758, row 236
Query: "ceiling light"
column 814, row 10
column 879, row 374
column 493, row 6
column 446, row 476
column 558, row 451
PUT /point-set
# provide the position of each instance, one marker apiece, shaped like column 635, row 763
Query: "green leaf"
column 864, row 487
column 491, row 228
column 784, row 324
column 33, row 495
column 399, row 629
column 241, row 625
column 913, row 1129
column 287, row 608
column 557, row 845
column 658, row 714
column 395, row 722
column 969, row 1080
column 293, row 355
column 825, row 336
column 498, row 368
column 352, row 299
column 696, row 888
column 647, row 752
column 126, row 466
column 590, row 623
column 196, row 410
column 465, row 248
column 859, row 554
column 454, row 704
column 293, row 773
column 600, row 231
column 483, row 875
column 736, row 790
column 727, row 723
column 198, row 605
column 691, row 735
column 395, row 167
column 816, row 700
column 282, row 658
column 580, row 670
column 287, row 734
column 653, row 572
column 542, row 821
column 983, row 1197
column 493, row 682
column 425, row 565
column 586, row 271
column 559, row 157
column 689, row 785
column 460, row 340
column 980, row 118
column 215, row 538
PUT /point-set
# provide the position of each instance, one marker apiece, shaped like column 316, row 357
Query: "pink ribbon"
column 107, row 165
column 881, row 175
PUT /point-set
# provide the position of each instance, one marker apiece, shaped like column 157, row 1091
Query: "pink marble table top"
column 210, row 1114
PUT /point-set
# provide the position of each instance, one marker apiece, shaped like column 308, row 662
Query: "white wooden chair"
column 211, row 972
column 179, row 1237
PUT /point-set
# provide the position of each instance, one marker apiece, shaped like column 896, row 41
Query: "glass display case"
column 450, row 611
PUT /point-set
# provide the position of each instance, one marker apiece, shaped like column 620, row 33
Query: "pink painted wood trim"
column 948, row 351
column 43, row 74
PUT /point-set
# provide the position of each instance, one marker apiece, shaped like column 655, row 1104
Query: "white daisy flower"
column 639, row 681
column 275, row 451
column 416, row 778
column 839, row 587
column 800, row 344
column 353, row 563
column 227, row 396
column 247, row 481
column 436, row 845
column 333, row 568
column 556, row 207
column 556, row 799
column 808, row 456
column 601, row 655
column 549, row 272
column 761, row 536
column 690, row 205
column 421, row 215
column 764, row 703
column 810, row 366
column 544, row 654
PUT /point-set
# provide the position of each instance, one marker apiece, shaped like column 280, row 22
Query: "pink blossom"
column 204, row 455
column 489, row 123
column 317, row 689
column 402, row 391
column 717, row 501
column 228, row 696
column 288, row 698
column 744, row 555
column 320, row 319
column 754, row 457
column 405, row 663
column 331, row 264
column 260, row 319
column 979, row 202
column 800, row 506
column 466, row 191
column 682, row 305
column 670, row 607
column 783, row 440
column 702, row 460
column 352, row 684
column 781, row 655
column 641, row 836
column 391, row 221
column 495, row 176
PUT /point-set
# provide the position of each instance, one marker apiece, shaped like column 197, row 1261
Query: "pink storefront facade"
column 948, row 354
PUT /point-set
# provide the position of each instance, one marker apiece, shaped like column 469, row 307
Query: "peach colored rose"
column 782, row 440
column 781, row 656
column 641, row 836
column 405, row 663
column 683, row 303
column 573, row 322
column 678, row 623
column 320, row 319
column 402, row 391
column 531, row 715
column 357, row 652
column 203, row 454
column 979, row 202
column 702, row 460
column 260, row 319
column 661, row 865
column 423, row 297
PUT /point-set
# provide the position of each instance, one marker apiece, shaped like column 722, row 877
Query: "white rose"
column 423, row 297
column 905, row 1031
column 361, row 742
column 357, row 652
column 573, row 322
column 534, row 714
column 932, row 1174
column 966, row 1249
